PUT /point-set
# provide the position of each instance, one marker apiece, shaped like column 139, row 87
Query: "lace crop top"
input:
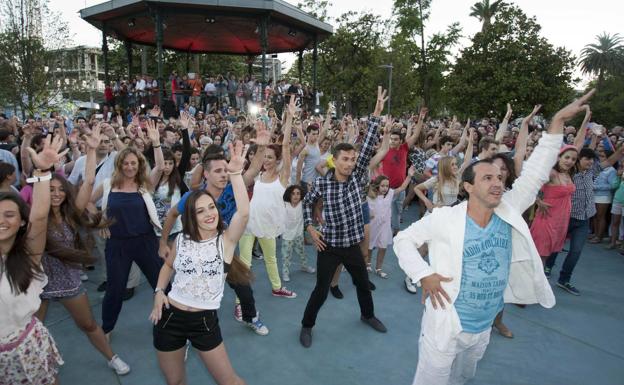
column 200, row 273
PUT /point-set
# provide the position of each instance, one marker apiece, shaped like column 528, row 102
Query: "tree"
column 605, row 57
column 484, row 11
column 316, row 8
column 348, row 65
column 30, row 54
column 510, row 63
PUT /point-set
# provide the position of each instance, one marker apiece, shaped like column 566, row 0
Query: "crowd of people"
column 207, row 94
column 129, row 191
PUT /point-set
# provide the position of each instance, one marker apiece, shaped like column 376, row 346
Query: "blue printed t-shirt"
column 485, row 272
column 226, row 204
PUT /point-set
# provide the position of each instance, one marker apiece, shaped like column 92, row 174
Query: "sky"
column 568, row 23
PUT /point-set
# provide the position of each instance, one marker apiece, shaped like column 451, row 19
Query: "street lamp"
column 389, row 67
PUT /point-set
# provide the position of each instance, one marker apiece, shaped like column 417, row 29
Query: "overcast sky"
column 568, row 23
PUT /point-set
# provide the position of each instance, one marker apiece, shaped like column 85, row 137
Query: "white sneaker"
column 257, row 326
column 410, row 286
column 308, row 269
column 118, row 365
column 285, row 277
column 84, row 276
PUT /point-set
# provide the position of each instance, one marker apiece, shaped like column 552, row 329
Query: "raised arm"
column 579, row 140
column 368, row 146
column 462, row 141
column 159, row 160
column 383, row 149
column 44, row 160
column 415, row 133
column 469, row 151
column 523, row 137
column 239, row 221
column 410, row 173
column 536, row 170
column 263, row 139
column 84, row 194
column 287, row 128
column 186, row 131
column 502, row 128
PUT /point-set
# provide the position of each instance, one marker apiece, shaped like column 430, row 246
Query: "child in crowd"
column 380, row 203
column 292, row 238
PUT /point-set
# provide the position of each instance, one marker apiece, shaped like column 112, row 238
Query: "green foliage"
column 604, row 58
column 316, row 8
column 512, row 63
column 30, row 51
column 349, row 60
column 608, row 103
column 484, row 11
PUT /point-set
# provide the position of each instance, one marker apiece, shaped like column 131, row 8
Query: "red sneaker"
column 283, row 292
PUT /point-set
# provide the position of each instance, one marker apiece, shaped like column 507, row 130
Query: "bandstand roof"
column 210, row 26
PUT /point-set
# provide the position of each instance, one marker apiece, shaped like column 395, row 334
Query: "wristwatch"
column 158, row 289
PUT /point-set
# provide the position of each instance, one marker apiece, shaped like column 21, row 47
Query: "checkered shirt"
column 342, row 207
column 583, row 206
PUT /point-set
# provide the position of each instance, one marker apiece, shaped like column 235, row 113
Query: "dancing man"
column 338, row 239
column 481, row 255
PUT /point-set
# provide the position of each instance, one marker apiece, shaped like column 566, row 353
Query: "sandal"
column 381, row 273
column 369, row 268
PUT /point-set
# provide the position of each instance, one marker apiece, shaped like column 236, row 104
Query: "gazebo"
column 237, row 27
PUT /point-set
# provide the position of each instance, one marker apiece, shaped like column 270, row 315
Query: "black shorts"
column 177, row 326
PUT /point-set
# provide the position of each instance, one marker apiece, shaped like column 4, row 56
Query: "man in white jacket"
column 481, row 255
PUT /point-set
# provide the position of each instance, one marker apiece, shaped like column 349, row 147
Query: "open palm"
column 50, row 154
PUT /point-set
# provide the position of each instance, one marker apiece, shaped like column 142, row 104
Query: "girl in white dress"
column 380, row 204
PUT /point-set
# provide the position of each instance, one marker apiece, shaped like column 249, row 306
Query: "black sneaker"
column 305, row 337
column 102, row 287
column 129, row 293
column 567, row 286
column 374, row 323
column 547, row 271
column 371, row 286
column 335, row 290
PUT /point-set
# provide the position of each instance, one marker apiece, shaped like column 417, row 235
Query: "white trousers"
column 452, row 367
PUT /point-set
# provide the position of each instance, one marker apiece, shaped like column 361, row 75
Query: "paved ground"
column 578, row 342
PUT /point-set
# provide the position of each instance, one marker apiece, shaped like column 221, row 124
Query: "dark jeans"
column 247, row 302
column 120, row 253
column 577, row 231
column 326, row 263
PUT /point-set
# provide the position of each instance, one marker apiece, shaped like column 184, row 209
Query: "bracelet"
column 156, row 146
column 42, row 178
column 239, row 172
column 46, row 170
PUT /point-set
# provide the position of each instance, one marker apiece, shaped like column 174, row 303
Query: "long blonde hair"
column 445, row 174
column 141, row 178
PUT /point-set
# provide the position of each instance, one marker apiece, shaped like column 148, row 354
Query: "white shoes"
column 410, row 286
column 118, row 365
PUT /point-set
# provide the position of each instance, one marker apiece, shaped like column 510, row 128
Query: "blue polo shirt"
column 226, row 204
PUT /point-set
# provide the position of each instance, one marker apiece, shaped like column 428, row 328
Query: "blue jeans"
column 577, row 231
column 397, row 209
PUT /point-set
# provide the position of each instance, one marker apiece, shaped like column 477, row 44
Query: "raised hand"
column 50, row 154
column 119, row 120
column 263, row 136
column 237, row 157
column 381, row 101
column 571, row 110
column 291, row 110
column 185, row 119
column 152, row 132
column 155, row 111
column 423, row 113
column 93, row 138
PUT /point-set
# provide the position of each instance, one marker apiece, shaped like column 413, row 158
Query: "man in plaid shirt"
column 343, row 228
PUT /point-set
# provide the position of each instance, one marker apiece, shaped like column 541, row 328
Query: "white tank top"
column 267, row 214
column 200, row 276
column 17, row 310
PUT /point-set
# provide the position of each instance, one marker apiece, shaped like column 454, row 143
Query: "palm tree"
column 484, row 11
column 607, row 56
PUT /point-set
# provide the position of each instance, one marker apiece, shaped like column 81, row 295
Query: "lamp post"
column 389, row 67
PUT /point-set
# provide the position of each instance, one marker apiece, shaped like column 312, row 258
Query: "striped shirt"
column 583, row 206
column 342, row 207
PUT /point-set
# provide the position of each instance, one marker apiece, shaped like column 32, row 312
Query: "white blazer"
column 444, row 229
